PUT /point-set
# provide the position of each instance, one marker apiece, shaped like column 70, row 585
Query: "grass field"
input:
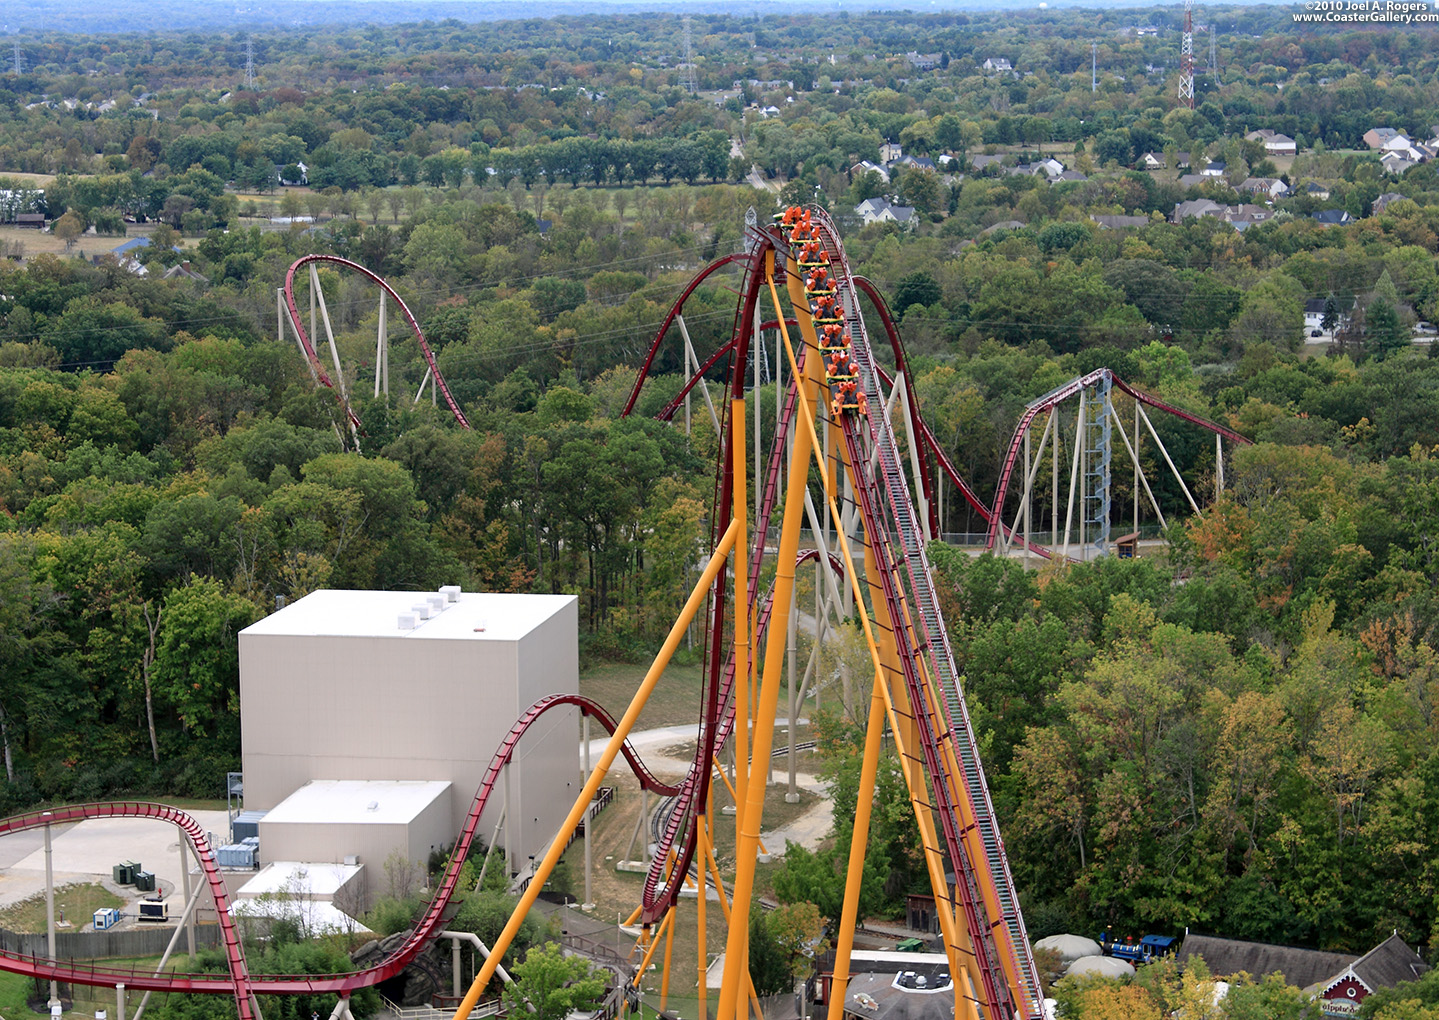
column 76, row 903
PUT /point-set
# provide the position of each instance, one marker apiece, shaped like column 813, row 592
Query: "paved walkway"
column 808, row 830
column 87, row 851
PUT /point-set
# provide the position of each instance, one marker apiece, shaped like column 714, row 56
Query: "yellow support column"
column 612, row 749
column 750, row 813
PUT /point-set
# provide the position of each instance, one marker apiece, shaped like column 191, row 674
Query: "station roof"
column 357, row 801
column 475, row 616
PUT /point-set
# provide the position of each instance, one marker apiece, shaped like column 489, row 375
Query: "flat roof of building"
column 318, row 917
column 357, row 801
column 299, row 879
column 475, row 616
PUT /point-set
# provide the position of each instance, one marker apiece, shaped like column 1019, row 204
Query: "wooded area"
column 1240, row 737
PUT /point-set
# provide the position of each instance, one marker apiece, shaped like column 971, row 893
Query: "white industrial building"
column 368, row 719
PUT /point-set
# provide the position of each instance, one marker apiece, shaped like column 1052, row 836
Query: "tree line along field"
column 1238, row 738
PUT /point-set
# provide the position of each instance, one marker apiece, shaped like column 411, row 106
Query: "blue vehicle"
column 1146, row 950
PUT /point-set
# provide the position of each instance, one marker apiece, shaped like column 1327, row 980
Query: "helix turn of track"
column 239, row 981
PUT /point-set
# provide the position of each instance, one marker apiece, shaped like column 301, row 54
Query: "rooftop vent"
column 437, row 604
column 422, row 610
column 451, row 592
column 409, row 621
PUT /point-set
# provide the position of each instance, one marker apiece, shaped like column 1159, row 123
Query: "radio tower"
column 1094, row 67
column 1186, row 57
column 19, row 61
column 250, row 64
column 689, row 60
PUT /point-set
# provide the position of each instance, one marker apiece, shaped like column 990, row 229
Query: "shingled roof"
column 1384, row 966
column 1300, row 967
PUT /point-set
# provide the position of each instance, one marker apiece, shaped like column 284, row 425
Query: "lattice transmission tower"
column 1186, row 57
column 689, row 65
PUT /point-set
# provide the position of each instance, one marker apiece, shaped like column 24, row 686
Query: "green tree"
column 196, row 674
column 550, row 985
column 1384, row 333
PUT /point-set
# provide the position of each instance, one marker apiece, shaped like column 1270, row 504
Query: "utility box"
column 145, row 881
column 123, row 873
column 154, row 911
column 105, row 918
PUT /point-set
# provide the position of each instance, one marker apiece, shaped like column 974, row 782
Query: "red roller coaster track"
column 319, row 370
column 239, row 981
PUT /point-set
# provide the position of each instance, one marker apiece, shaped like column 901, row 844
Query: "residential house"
column 881, row 210
column 1376, row 138
column 1275, row 144
column 1193, row 209
column 1214, row 169
column 889, row 152
column 1270, row 187
column 1316, row 190
column 1191, row 180
column 1120, row 222
column 1243, row 216
column 1333, row 217
column 1240, row 217
column 923, row 61
column 1151, row 161
column 1181, row 161
column 1395, row 164
column 1314, row 313
column 913, row 163
column 997, row 65
column 1004, row 225
column 1068, row 175
column 291, row 181
column 864, row 166
column 1383, row 201
column 979, row 162
column 184, row 271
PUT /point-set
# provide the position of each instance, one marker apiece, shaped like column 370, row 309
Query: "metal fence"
column 99, row 945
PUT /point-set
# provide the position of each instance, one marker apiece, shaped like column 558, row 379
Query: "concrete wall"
column 390, row 707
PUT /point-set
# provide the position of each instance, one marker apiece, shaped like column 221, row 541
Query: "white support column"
column 419, row 393
column 695, row 359
column 1218, row 465
column 1021, row 512
column 1134, row 455
column 509, row 843
column 792, row 794
column 120, row 1002
column 1180, row 478
column 50, row 908
column 1074, row 471
column 588, row 903
column 316, row 292
column 1054, row 500
column 382, row 354
column 280, row 314
column 185, row 885
column 921, row 503
column 186, row 922
column 1144, row 480
column 1028, row 492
